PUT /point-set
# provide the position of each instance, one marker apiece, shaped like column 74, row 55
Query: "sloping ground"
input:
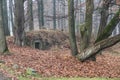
column 60, row 63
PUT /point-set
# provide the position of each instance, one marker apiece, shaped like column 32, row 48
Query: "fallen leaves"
column 60, row 63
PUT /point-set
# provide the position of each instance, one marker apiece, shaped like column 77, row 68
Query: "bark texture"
column 86, row 29
column 109, row 28
column 30, row 14
column 98, row 47
column 11, row 15
column 71, row 21
column 103, row 41
column 54, row 14
column 5, row 18
column 19, row 22
column 104, row 15
column 40, row 13
column 3, row 45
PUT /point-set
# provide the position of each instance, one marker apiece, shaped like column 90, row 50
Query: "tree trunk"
column 104, row 15
column 103, row 21
column 103, row 41
column 71, row 21
column 86, row 29
column 5, row 18
column 30, row 14
column 54, row 14
column 3, row 44
column 58, row 19
column 63, row 13
column 40, row 13
column 11, row 16
column 98, row 47
column 19, row 23
column 109, row 28
column 119, row 27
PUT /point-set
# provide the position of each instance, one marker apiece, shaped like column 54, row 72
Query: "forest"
column 59, row 39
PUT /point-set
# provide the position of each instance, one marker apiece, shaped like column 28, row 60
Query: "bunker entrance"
column 37, row 45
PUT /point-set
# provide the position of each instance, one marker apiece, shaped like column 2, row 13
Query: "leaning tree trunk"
column 109, row 28
column 104, row 15
column 103, row 41
column 103, row 21
column 3, row 45
column 19, row 23
column 71, row 21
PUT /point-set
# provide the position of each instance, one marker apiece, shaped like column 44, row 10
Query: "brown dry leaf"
column 60, row 63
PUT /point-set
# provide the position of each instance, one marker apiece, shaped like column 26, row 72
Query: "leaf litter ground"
column 60, row 63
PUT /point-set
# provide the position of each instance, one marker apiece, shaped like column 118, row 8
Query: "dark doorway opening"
column 37, row 45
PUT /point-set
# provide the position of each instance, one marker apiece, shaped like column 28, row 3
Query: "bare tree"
column 11, row 12
column 3, row 44
column 40, row 5
column 71, row 21
column 54, row 14
column 103, row 40
column 104, row 12
column 30, row 14
column 86, row 28
column 19, row 23
column 5, row 18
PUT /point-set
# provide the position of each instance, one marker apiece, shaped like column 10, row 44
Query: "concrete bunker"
column 45, row 39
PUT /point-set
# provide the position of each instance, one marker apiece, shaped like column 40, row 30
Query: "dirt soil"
column 60, row 63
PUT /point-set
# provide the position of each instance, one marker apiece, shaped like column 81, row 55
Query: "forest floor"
column 58, row 63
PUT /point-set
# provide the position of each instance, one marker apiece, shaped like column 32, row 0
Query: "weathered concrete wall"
column 44, row 39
